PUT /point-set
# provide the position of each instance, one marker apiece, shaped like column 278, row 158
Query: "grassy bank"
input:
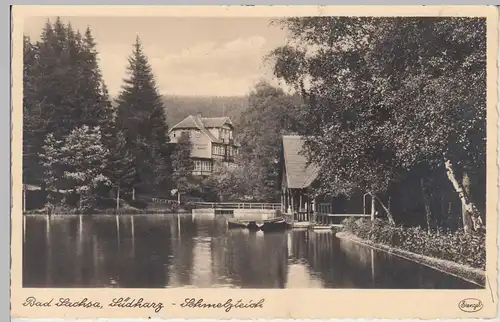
column 456, row 253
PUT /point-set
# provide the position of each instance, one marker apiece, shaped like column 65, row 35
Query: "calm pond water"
column 157, row 251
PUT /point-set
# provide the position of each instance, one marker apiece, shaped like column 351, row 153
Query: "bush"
column 457, row 246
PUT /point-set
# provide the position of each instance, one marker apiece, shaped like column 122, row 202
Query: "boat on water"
column 235, row 223
column 253, row 225
column 276, row 225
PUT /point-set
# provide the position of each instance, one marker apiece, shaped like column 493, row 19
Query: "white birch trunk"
column 117, row 198
column 427, row 204
column 387, row 211
column 467, row 205
column 372, row 214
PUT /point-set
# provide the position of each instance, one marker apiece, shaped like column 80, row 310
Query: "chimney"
column 199, row 116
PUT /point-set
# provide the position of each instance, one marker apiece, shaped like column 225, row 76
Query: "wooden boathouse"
column 297, row 181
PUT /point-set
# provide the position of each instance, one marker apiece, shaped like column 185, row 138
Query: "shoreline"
column 104, row 212
column 469, row 274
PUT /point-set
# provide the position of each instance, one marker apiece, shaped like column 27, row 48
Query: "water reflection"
column 189, row 251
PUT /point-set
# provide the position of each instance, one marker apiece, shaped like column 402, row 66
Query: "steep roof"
column 203, row 129
column 187, row 123
column 191, row 122
column 202, row 124
column 216, row 122
column 298, row 174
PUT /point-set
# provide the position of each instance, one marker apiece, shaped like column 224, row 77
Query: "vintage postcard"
column 254, row 162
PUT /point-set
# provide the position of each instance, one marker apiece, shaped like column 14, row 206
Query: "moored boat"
column 274, row 225
column 255, row 225
column 268, row 224
column 235, row 223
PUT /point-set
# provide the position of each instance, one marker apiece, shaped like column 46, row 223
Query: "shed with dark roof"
column 298, row 173
column 297, row 176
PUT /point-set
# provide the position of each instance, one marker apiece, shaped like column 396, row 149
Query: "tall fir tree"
column 64, row 90
column 141, row 117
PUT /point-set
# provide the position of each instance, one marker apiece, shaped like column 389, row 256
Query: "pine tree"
column 121, row 167
column 33, row 130
column 57, row 81
column 96, row 107
column 141, row 117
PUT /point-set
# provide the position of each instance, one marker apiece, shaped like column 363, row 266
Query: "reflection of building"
column 211, row 138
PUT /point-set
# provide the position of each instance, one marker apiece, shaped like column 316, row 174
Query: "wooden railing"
column 322, row 218
column 163, row 201
column 238, row 205
column 333, row 218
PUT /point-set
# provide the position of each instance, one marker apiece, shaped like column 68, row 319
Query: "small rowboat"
column 255, row 225
column 264, row 225
column 234, row 223
column 268, row 225
column 275, row 225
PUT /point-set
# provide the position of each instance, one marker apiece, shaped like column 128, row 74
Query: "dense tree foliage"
column 63, row 91
column 70, row 123
column 271, row 113
column 227, row 182
column 182, row 165
column 387, row 97
column 77, row 164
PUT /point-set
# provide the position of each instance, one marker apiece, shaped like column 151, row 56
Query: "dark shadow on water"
column 158, row 251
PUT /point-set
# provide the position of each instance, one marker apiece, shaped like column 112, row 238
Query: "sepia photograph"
column 257, row 152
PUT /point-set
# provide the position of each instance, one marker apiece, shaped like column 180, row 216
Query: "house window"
column 218, row 150
column 206, row 166
column 325, row 208
column 197, row 165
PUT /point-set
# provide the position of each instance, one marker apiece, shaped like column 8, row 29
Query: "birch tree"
column 387, row 94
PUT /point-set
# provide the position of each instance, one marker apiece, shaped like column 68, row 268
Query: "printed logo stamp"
column 470, row 305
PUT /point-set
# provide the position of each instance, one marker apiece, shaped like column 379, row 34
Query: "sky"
column 189, row 56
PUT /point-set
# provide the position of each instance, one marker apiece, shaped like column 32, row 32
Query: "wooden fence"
column 238, row 205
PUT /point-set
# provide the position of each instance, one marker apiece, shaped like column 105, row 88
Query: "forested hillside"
column 179, row 107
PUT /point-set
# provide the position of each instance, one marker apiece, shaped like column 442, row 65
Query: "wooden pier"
column 318, row 221
column 238, row 205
